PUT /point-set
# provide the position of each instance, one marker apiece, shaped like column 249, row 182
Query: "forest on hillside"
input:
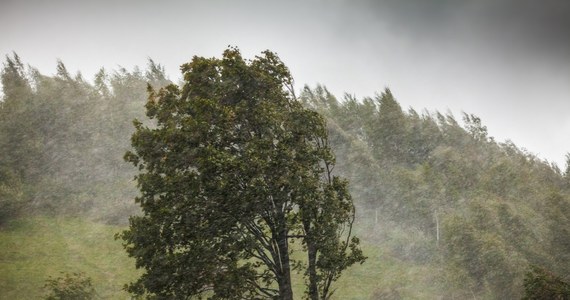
column 482, row 219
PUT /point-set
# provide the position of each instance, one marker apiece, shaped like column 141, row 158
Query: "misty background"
column 443, row 210
column 505, row 61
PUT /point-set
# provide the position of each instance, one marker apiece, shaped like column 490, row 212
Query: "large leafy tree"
column 233, row 171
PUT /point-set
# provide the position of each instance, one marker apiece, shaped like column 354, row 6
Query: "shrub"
column 542, row 284
column 75, row 286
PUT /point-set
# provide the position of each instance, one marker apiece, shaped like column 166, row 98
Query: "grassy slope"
column 33, row 249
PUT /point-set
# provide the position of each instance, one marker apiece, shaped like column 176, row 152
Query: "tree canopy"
column 233, row 172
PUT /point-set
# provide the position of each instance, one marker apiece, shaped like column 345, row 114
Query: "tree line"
column 63, row 138
column 484, row 210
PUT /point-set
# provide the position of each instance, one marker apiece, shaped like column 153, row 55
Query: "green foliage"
column 63, row 138
column 558, row 212
column 18, row 118
column 12, row 199
column 566, row 173
column 75, row 286
column 540, row 284
column 489, row 209
column 233, row 171
column 387, row 131
column 483, row 255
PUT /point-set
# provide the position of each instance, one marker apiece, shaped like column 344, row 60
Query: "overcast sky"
column 507, row 61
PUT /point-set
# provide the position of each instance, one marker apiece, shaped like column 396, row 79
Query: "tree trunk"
column 284, row 278
column 312, row 269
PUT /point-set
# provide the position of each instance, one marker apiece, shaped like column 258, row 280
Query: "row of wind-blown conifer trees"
column 62, row 139
column 482, row 210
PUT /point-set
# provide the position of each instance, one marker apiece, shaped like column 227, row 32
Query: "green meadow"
column 34, row 248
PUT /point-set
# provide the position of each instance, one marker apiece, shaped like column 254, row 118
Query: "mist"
column 505, row 61
column 448, row 118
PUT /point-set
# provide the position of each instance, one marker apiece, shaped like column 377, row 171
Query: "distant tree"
column 19, row 141
column 233, row 171
column 423, row 137
column 566, row 173
column 12, row 199
column 558, row 240
column 474, row 126
column 389, row 129
column 156, row 72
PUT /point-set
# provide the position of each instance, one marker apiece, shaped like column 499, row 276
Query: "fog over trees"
column 443, row 210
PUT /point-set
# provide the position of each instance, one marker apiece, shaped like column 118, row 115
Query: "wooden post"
column 376, row 216
column 436, row 229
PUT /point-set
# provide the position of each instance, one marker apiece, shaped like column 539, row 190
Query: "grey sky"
column 507, row 61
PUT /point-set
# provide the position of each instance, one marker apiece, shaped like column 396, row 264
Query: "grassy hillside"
column 33, row 249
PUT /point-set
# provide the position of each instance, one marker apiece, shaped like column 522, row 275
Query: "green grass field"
column 33, row 249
